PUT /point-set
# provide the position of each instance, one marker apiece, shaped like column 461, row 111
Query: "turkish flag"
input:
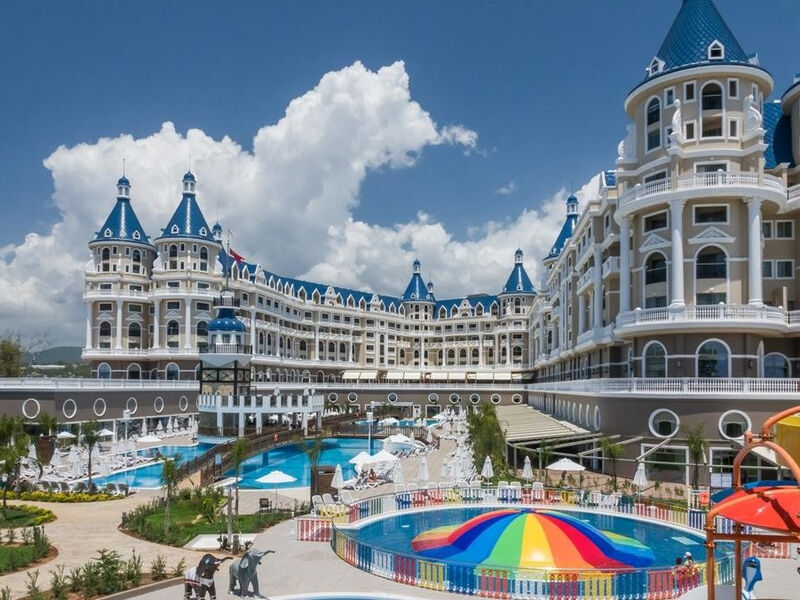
column 235, row 256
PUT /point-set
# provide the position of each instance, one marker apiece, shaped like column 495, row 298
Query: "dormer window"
column 716, row 51
column 203, row 231
column 175, row 229
column 136, row 235
column 107, row 233
column 656, row 66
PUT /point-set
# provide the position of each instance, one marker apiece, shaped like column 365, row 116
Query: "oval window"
column 99, row 407
column 158, row 404
column 31, row 408
column 516, row 399
column 664, row 423
column 475, row 398
column 69, row 408
column 495, row 399
column 433, row 398
column 352, row 397
column 333, row 397
column 392, row 397
column 132, row 405
column 183, row 403
column 733, row 424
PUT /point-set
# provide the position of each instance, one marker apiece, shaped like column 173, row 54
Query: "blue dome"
column 216, row 227
column 226, row 321
column 189, row 176
column 123, row 181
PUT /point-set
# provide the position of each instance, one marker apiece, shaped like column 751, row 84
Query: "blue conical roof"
column 416, row 290
column 518, row 281
column 226, row 321
column 122, row 224
column 188, row 221
column 698, row 24
column 563, row 236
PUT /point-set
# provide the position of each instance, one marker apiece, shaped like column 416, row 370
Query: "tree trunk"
column 614, row 473
column 166, row 515
column 696, row 473
column 89, row 467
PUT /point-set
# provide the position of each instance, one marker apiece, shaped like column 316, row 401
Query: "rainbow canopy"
column 532, row 539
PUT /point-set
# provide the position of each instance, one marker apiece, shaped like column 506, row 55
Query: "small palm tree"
column 545, row 452
column 313, row 450
column 170, row 478
column 698, row 446
column 240, row 450
column 91, row 437
column 48, row 423
column 613, row 452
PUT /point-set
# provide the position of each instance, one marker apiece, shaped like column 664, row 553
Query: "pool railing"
column 655, row 583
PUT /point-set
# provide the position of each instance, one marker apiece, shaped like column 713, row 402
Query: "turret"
column 518, row 281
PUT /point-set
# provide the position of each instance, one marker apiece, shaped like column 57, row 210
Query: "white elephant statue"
column 245, row 571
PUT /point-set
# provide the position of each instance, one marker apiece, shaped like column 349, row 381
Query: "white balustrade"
column 698, row 181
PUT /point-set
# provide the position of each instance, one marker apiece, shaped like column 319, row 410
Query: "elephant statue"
column 200, row 579
column 245, row 571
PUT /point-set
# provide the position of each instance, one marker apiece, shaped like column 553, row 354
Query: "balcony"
column 672, row 387
column 225, row 349
column 585, row 279
column 610, row 266
column 714, row 316
column 722, row 183
column 793, row 193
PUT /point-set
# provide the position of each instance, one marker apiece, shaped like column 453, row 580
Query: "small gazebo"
column 773, row 506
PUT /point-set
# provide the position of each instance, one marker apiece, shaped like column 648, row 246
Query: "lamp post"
column 370, row 412
column 126, row 416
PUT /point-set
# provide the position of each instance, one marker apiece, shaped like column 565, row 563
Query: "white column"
column 350, row 351
column 581, row 313
column 422, row 352
column 89, row 325
column 754, row 252
column 316, row 342
column 157, row 324
column 187, row 326
column 480, row 350
column 598, row 292
column 119, row 325
column 624, row 265
column 676, row 216
column 508, row 349
column 253, row 330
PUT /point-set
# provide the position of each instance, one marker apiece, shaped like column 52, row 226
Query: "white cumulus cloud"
column 505, row 190
column 289, row 202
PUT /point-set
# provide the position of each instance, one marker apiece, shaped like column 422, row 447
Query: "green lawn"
column 186, row 522
column 18, row 516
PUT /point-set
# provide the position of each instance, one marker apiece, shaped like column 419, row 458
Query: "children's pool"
column 149, row 476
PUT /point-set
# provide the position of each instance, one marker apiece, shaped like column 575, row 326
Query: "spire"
column 572, row 205
column 566, row 229
column 518, row 281
column 698, row 35
column 122, row 224
column 188, row 221
column 416, row 266
column 416, row 290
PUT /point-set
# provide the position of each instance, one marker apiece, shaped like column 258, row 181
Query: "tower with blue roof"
column 418, row 299
column 566, row 229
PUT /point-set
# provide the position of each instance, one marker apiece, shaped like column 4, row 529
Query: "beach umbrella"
column 149, row 439
column 105, row 468
column 55, row 460
column 445, row 473
column 532, row 539
column 565, row 464
column 487, row 472
column 640, row 478
column 397, row 473
column 159, row 427
column 73, row 455
column 338, row 479
column 105, row 432
column 144, row 427
column 422, row 474
column 429, row 439
column 76, row 470
column 65, row 435
column 527, row 470
column 276, row 477
column 360, row 458
column 32, row 452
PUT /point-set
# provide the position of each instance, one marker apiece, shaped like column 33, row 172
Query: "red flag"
column 235, row 256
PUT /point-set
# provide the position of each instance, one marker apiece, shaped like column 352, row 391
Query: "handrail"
column 693, row 181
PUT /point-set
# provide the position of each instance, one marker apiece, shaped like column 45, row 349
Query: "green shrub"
column 158, row 568
column 59, row 583
column 180, row 568
column 111, row 574
column 42, row 496
column 133, row 570
column 32, row 586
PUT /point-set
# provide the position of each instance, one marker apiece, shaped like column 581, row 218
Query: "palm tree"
column 170, row 478
column 545, row 452
column 48, row 423
column 240, row 450
column 698, row 446
column 313, row 450
column 91, row 437
column 613, row 452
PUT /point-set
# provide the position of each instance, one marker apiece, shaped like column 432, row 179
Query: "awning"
column 350, row 375
column 438, row 376
column 412, row 375
column 502, row 376
column 455, row 376
column 484, row 376
column 522, row 423
column 394, row 375
column 367, row 375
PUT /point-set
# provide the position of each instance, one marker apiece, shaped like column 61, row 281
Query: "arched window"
column 711, row 263
column 776, row 365
column 711, row 113
column 105, row 329
column 653, row 124
column 173, row 328
column 202, row 329
column 173, row 372
column 136, row 258
column 655, row 360
column 713, row 359
column 134, row 336
column 655, row 281
column 106, row 257
column 104, row 371
column 134, row 372
column 173, row 256
column 204, row 258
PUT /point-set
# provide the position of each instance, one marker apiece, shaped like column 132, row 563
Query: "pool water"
column 149, row 476
column 293, row 461
column 395, row 532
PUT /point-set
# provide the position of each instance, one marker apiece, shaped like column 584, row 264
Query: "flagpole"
column 227, row 260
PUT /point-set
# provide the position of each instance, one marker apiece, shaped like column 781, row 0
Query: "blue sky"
column 340, row 146
column 541, row 82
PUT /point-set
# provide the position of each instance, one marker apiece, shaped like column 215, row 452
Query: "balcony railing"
column 585, row 279
column 672, row 385
column 610, row 266
column 793, row 193
column 711, row 312
column 697, row 181
column 225, row 349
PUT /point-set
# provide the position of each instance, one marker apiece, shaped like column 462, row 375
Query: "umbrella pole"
column 276, row 497
column 737, row 567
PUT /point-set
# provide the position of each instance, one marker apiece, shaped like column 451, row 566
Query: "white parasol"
column 276, row 477
column 422, row 474
column 487, row 472
column 527, row 470
column 565, row 464
column 338, row 479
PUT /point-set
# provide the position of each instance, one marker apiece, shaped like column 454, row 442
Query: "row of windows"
column 705, row 214
column 712, row 360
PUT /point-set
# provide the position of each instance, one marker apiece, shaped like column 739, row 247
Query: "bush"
column 133, row 570
column 111, row 572
column 32, row 586
column 16, row 557
column 158, row 568
column 59, row 583
column 25, row 516
column 180, row 568
column 42, row 496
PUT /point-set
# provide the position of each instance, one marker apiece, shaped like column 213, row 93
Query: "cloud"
column 506, row 189
column 289, row 202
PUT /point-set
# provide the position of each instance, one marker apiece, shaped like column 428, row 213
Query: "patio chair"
column 64, row 487
column 264, row 505
column 123, row 489
column 347, row 497
column 111, row 488
column 81, row 487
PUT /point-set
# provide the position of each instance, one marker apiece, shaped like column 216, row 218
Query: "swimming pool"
column 149, row 476
column 293, row 460
column 394, row 533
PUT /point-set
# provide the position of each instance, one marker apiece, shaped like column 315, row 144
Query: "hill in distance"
column 65, row 355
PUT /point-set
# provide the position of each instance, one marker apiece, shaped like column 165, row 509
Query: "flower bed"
column 20, row 550
column 20, row 515
column 42, row 496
